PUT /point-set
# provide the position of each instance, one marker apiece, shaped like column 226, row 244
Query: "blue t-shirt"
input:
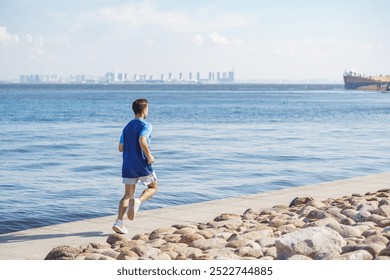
column 135, row 164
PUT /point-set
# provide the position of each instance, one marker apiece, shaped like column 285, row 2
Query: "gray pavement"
column 35, row 244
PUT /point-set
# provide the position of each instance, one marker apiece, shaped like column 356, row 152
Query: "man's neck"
column 139, row 116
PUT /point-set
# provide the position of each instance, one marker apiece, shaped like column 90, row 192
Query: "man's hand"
column 150, row 159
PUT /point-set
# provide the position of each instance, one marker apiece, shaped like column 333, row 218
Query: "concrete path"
column 35, row 244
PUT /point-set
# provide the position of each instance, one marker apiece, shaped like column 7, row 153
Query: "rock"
column 257, row 235
column 347, row 222
column 189, row 238
column 385, row 251
column 357, row 255
column 96, row 256
column 162, row 256
column 373, row 248
column 270, row 252
column 164, row 231
column 185, row 231
column 132, row 243
column 63, row 253
column 141, row 250
column 299, row 201
column 277, row 222
column 176, row 247
column 111, row 253
column 313, row 242
column 143, row 237
column 93, row 246
column 322, row 223
column 249, row 252
column 384, row 223
column 267, row 242
column 223, row 252
column 115, row 237
column 207, row 234
column 172, row 238
column 127, row 254
column 286, row 229
column 180, row 226
column 205, row 244
column 350, row 213
column 238, row 243
column 375, row 218
column 361, row 216
column 192, row 252
column 227, row 216
column 317, row 204
column 346, row 231
column 378, row 238
column 384, row 211
column 367, row 206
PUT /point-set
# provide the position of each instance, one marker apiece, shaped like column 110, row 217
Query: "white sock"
column 119, row 221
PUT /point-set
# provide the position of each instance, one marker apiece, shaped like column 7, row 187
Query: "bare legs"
column 124, row 202
column 129, row 193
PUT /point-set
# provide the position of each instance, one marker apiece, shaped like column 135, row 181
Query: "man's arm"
column 145, row 148
column 120, row 147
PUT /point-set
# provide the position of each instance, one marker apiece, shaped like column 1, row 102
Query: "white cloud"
column 218, row 39
column 7, row 38
column 198, row 40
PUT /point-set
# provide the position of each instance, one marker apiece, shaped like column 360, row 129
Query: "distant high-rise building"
column 231, row 76
column 190, row 76
column 198, row 76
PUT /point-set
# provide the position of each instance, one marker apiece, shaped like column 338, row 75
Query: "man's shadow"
column 14, row 238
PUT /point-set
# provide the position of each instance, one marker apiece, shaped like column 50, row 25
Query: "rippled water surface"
column 58, row 144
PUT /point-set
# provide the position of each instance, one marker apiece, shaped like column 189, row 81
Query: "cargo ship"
column 355, row 80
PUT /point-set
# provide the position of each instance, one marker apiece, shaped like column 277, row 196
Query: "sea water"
column 58, row 144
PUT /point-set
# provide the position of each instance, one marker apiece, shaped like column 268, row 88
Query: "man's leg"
column 136, row 202
column 124, row 203
column 149, row 192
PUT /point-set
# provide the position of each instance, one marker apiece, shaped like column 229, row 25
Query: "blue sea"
column 58, row 144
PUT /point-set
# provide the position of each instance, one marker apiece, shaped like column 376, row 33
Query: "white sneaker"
column 119, row 228
column 133, row 208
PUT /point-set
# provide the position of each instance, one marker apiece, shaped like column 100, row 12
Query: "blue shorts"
column 146, row 180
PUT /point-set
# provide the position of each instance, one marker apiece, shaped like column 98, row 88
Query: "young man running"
column 137, row 164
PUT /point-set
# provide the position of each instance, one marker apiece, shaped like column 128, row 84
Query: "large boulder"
column 313, row 242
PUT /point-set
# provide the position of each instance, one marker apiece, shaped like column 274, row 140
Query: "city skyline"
column 123, row 77
column 261, row 40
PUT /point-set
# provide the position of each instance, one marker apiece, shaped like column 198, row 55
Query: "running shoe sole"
column 132, row 211
column 118, row 229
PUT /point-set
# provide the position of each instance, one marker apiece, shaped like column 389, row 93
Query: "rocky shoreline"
column 355, row 227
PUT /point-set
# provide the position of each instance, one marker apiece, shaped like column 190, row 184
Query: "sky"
column 258, row 39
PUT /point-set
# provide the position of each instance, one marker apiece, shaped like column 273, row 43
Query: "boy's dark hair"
column 139, row 106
